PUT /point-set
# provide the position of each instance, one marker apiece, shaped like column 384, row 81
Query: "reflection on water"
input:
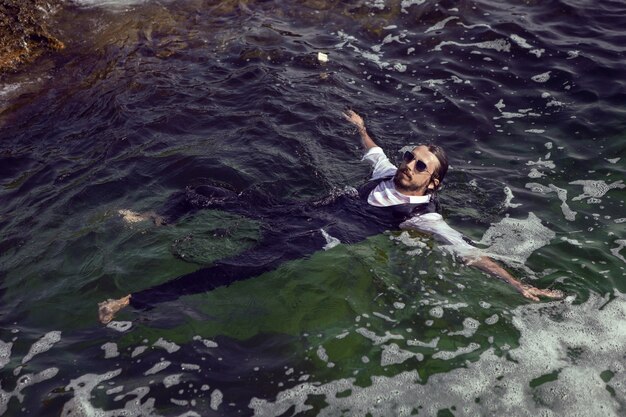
column 149, row 98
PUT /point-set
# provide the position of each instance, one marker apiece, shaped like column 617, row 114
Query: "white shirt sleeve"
column 380, row 163
column 434, row 224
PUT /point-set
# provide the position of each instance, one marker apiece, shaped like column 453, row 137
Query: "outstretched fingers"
column 534, row 293
column 354, row 118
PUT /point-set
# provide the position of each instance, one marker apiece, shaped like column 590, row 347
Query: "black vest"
column 399, row 212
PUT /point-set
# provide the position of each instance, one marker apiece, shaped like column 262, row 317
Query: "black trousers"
column 291, row 230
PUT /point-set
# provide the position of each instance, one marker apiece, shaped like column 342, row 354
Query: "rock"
column 25, row 32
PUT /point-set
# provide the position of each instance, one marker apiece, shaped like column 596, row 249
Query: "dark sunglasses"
column 420, row 166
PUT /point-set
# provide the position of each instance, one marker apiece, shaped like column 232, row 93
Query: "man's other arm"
column 434, row 224
column 489, row 266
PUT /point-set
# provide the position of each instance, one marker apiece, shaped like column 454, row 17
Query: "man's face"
column 409, row 180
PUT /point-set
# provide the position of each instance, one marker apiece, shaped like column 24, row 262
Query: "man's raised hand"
column 354, row 118
column 357, row 120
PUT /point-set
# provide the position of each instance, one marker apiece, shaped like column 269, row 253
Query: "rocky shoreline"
column 25, row 32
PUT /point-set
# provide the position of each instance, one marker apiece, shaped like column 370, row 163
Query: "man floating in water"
column 404, row 197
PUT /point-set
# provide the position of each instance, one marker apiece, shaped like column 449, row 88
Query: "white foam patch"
column 138, row 351
column 432, row 344
column 440, row 25
column 120, row 326
column 189, row 367
column 206, row 342
column 216, row 399
column 573, row 54
column 378, row 339
column 82, row 386
column 500, row 45
column 541, row 163
column 621, row 243
column 470, row 326
column 170, row 347
column 436, row 312
column 577, row 342
column 613, row 160
column 9, row 88
column 554, row 103
column 568, row 213
column 331, row 241
column 158, row 367
column 478, row 25
column 432, row 83
column 43, row 345
column 393, row 355
column 406, row 239
column 384, row 317
column 405, row 4
column 521, row 113
column 387, row 40
column 346, row 41
column 23, row 382
column 321, row 353
column 376, row 4
column 541, row 78
column 521, row 42
column 596, row 189
column 5, row 353
column 110, row 350
column 514, row 240
column 447, row 355
column 26, row 380
column 491, row 320
column 115, row 390
column 538, row 131
column 508, row 198
column 172, row 380
column 573, row 242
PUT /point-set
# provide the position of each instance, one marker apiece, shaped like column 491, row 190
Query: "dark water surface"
column 149, row 98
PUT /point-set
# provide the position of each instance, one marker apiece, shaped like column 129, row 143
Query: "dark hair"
column 441, row 156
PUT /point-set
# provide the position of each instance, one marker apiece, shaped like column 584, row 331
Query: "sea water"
column 152, row 97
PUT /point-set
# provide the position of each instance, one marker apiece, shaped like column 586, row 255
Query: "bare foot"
column 131, row 217
column 108, row 308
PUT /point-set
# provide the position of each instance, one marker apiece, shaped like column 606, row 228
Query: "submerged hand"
column 354, row 118
column 534, row 293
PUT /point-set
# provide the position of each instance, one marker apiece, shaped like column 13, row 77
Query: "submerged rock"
column 24, row 31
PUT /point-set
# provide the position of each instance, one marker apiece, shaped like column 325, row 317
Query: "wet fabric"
column 291, row 230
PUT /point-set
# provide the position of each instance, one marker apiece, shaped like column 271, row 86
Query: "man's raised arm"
column 357, row 120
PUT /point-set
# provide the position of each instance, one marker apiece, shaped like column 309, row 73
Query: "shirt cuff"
column 373, row 151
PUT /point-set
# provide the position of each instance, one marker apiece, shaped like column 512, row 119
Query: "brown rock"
column 25, row 32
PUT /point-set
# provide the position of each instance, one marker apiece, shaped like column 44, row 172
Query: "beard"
column 404, row 184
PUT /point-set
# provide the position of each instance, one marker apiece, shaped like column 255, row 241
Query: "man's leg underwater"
column 275, row 249
column 293, row 232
